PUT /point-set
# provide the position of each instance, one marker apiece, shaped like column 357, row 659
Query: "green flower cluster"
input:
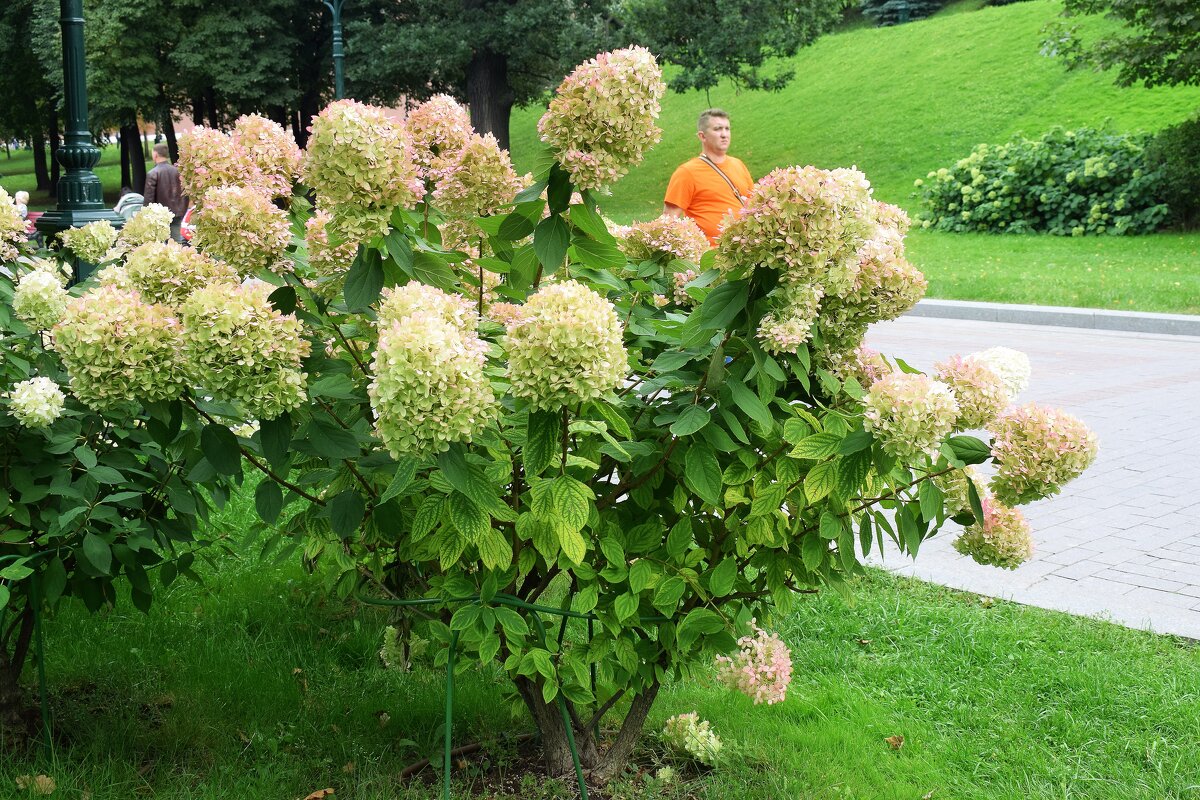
column 36, row 403
column 272, row 149
column 476, row 180
column 40, row 299
column 91, row 242
column 208, row 159
column 329, row 263
column 910, row 414
column 1002, row 539
column 567, row 348
column 666, row 237
column 437, row 128
column 238, row 346
column 151, row 224
column 243, row 227
column 403, row 301
column 117, row 348
column 12, row 228
column 1037, row 450
column 167, row 272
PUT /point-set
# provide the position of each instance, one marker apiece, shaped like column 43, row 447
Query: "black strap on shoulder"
column 741, row 200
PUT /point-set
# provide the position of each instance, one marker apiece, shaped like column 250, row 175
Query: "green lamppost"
column 339, row 51
column 80, row 196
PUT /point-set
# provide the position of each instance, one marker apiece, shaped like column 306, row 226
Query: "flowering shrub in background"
column 12, row 228
column 490, row 403
column 209, row 159
column 689, row 736
column 667, row 236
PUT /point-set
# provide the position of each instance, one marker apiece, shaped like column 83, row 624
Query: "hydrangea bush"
column 672, row 446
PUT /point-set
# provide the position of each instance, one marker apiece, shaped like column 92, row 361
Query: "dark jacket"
column 163, row 187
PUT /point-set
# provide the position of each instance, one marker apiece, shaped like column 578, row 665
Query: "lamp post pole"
column 339, row 49
column 80, row 196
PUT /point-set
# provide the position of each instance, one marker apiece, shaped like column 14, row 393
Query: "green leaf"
column 813, row 551
column 640, row 574
column 406, row 470
column 851, row 472
column 590, row 222
column 54, row 580
column 679, row 540
column 220, row 447
column 550, row 241
column 795, row 430
column 86, row 456
column 572, row 501
column 723, row 577
column 702, row 472
column 976, row 502
column 864, row 534
column 931, row 498
column 749, row 402
column 616, row 423
column 910, row 531
column 542, row 441
column 97, row 552
column 283, row 299
column 428, row 515
column 831, row 525
column 275, row 436
column 364, row 281
column 969, row 449
column 521, row 221
column 820, row 481
column 330, row 440
column 471, row 520
column 104, row 474
column 691, row 420
column 399, row 249
column 817, row 447
column 723, row 304
column 268, row 500
column 598, row 254
column 511, row 621
column 626, row 605
column 573, row 545
column 346, row 511
column 668, row 594
column 5, row 595
column 432, row 270
column 494, row 549
column 855, row 441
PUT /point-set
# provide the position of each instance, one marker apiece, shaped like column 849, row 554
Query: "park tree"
column 1156, row 43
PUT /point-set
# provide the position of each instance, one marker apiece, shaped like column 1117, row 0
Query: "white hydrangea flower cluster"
column 12, row 228
column 1037, row 450
column 117, row 348
column 438, row 127
column 665, row 237
column 167, row 272
column 1011, row 365
column 1002, row 539
column 36, row 403
column 429, row 388
column 910, row 414
column 475, row 180
column 863, row 364
column 272, row 149
column 329, row 263
column 955, row 487
column 238, row 346
column 602, row 118
column 361, row 165
column 241, row 226
column 40, row 298
column 790, row 324
column 567, row 349
column 690, row 736
column 980, row 392
column 399, row 302
column 151, row 224
column 91, row 242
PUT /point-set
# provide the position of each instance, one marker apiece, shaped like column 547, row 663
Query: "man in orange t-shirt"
column 708, row 187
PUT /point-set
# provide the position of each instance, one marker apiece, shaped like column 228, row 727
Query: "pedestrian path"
column 1123, row 541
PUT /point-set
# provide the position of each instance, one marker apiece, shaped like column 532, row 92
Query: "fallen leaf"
column 894, row 742
column 864, row 642
column 321, row 794
column 383, row 717
column 39, row 784
column 928, row 795
column 349, row 768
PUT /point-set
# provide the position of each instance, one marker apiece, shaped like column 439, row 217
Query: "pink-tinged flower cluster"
column 789, row 325
column 886, row 285
column 980, row 392
column 862, row 364
column 761, row 669
column 438, row 127
column 507, row 314
column 36, row 403
column 239, row 347
column 690, row 736
column 1037, row 450
column 12, row 228
column 568, row 349
column 40, row 298
column 429, row 388
column 272, row 149
column 601, row 121
column 681, row 279
column 361, row 165
column 117, row 348
column 664, row 238
column 209, row 158
column 151, row 224
column 1011, row 365
column 91, row 242
column 1002, row 540
column 955, row 488
column 805, row 222
column 242, row 227
column 167, row 272
column 413, row 297
column 475, row 180
column 910, row 414
column 328, row 263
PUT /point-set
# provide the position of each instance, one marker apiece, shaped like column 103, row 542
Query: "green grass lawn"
column 898, row 102
column 257, row 685
column 16, row 174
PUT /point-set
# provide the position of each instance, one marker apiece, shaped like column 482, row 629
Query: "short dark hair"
column 707, row 114
column 163, row 150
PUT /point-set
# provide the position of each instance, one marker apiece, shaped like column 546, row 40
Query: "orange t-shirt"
column 703, row 194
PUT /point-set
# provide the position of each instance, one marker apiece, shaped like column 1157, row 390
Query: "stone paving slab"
column 1123, row 541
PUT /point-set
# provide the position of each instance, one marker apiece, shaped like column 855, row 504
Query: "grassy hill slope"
column 897, row 102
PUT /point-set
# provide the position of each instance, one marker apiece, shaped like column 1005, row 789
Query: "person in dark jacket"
column 164, row 187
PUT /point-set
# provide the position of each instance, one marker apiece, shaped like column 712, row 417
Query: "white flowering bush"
column 152, row 223
column 673, row 447
column 691, row 737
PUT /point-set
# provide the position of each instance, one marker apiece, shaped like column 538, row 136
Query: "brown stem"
column 616, row 758
column 604, row 709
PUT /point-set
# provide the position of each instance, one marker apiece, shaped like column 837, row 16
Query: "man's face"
column 716, row 134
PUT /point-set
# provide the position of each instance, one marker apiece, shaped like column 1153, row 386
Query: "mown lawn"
column 16, row 174
column 257, row 685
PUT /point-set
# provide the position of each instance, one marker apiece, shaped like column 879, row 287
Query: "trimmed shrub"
column 1174, row 154
column 896, row 12
column 1066, row 183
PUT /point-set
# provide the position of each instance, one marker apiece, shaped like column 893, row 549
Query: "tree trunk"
column 616, row 757
column 41, row 170
column 210, row 105
column 556, row 750
column 131, row 136
column 55, row 168
column 310, row 106
column 297, row 130
column 198, row 109
column 16, row 724
column 489, row 94
column 168, row 128
column 126, row 180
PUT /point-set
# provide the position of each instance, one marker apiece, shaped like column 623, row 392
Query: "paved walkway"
column 1123, row 541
